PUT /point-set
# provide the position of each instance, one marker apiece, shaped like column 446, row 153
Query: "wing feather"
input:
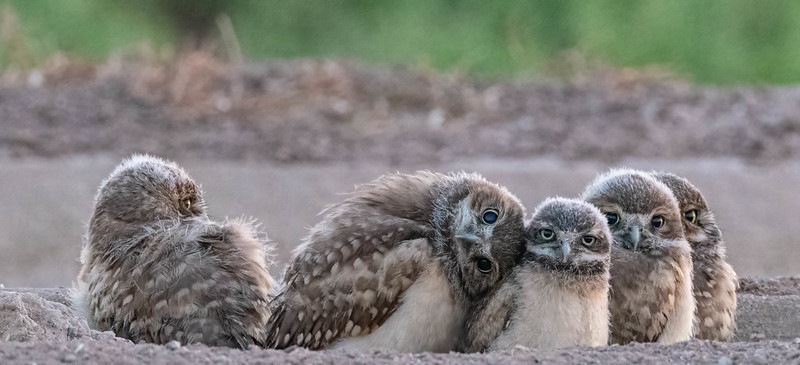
column 347, row 277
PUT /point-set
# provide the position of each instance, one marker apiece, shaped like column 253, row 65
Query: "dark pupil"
column 690, row 216
column 612, row 218
column 657, row 221
column 490, row 217
column 484, row 265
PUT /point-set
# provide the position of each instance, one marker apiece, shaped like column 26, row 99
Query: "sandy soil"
column 43, row 329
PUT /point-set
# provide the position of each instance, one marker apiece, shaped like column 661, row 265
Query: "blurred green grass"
column 710, row 41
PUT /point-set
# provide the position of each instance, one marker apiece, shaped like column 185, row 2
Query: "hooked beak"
column 565, row 250
column 634, row 236
column 467, row 239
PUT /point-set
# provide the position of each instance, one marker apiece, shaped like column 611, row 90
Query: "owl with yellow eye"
column 558, row 295
column 651, row 266
column 714, row 280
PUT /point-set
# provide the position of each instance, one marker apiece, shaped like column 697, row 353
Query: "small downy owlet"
column 714, row 280
column 395, row 264
column 651, row 266
column 155, row 268
column 558, row 295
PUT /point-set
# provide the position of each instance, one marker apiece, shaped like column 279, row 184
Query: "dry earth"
column 324, row 111
column 41, row 328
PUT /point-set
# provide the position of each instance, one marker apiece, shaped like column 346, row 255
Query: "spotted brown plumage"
column 155, row 268
column 651, row 268
column 558, row 295
column 395, row 264
column 714, row 280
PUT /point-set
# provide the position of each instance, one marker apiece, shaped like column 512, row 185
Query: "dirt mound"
column 320, row 111
column 777, row 286
column 28, row 317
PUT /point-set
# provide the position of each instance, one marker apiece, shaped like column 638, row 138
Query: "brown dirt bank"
column 768, row 332
column 326, row 110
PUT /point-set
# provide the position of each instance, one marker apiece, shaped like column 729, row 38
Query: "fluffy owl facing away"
column 156, row 268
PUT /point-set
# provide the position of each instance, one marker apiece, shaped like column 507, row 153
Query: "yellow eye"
column 657, row 221
column 612, row 218
column 691, row 216
column 588, row 241
column 187, row 203
column 546, row 234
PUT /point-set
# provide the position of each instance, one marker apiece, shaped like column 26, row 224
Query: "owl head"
column 641, row 212
column 478, row 227
column 568, row 235
column 699, row 223
column 144, row 189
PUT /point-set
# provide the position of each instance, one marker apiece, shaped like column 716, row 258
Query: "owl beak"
column 467, row 240
column 565, row 250
column 634, row 236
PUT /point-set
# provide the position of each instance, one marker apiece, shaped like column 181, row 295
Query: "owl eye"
column 657, row 221
column 490, row 216
column 186, row 205
column 691, row 216
column 612, row 218
column 484, row 265
column 588, row 241
column 546, row 234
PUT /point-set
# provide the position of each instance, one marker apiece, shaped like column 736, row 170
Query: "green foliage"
column 716, row 41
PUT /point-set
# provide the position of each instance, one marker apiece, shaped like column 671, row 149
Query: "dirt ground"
column 279, row 140
column 324, row 111
column 42, row 329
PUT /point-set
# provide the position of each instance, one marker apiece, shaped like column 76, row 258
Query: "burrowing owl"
column 714, row 279
column 651, row 265
column 394, row 265
column 558, row 295
column 156, row 268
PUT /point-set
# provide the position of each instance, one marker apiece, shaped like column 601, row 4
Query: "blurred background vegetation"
column 710, row 41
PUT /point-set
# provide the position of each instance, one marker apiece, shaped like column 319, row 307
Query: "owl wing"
column 680, row 319
column 489, row 319
column 198, row 289
column 347, row 278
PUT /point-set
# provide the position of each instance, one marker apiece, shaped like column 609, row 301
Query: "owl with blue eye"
column 397, row 264
column 558, row 295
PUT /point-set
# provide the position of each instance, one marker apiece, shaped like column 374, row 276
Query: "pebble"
column 69, row 358
column 725, row 361
column 173, row 345
column 36, row 78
